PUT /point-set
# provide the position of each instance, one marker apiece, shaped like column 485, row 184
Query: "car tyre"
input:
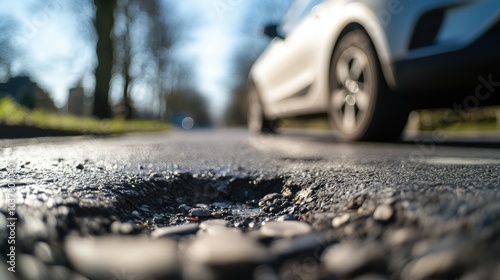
column 256, row 119
column 361, row 106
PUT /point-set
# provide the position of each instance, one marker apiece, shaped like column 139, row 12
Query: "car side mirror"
column 272, row 31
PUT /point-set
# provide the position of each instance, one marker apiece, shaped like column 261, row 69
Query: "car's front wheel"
column 361, row 105
column 256, row 120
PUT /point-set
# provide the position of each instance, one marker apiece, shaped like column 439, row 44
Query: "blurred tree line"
column 135, row 42
column 7, row 50
column 261, row 13
column 134, row 45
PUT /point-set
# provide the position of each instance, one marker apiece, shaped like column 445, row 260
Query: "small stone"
column 200, row 212
column 349, row 259
column 441, row 264
column 389, row 201
column 221, row 204
column 71, row 201
column 122, row 228
column 184, row 208
column 212, row 223
column 104, row 257
column 400, row 237
column 285, row 229
column 3, row 169
column 201, row 205
column 287, row 217
column 272, row 199
column 274, row 209
column 272, row 196
column 217, row 230
column 175, row 231
column 80, row 166
column 368, row 208
column 290, row 247
column 383, row 213
column 355, row 202
column 30, row 268
column 341, row 220
column 135, row 213
column 227, row 255
column 44, row 252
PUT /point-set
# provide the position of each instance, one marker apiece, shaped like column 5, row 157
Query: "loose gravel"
column 307, row 219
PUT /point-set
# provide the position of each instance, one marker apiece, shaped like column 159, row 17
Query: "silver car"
column 368, row 63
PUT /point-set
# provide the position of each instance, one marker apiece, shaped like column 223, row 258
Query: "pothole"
column 181, row 198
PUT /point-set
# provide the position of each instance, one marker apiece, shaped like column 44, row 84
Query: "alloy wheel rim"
column 351, row 90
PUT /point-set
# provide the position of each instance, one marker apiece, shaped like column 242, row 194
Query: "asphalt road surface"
column 223, row 204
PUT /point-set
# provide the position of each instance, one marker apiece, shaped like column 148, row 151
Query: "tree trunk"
column 126, row 45
column 104, row 22
column 129, row 110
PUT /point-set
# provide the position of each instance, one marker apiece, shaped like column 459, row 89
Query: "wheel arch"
column 252, row 84
column 379, row 46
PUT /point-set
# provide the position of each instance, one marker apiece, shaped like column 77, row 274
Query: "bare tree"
column 7, row 51
column 104, row 23
column 145, row 34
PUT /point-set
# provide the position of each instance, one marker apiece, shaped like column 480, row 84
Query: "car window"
column 297, row 12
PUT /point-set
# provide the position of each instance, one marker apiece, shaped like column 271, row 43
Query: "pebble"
column 313, row 243
column 111, row 257
column 184, row 208
column 122, row 228
column 355, row 202
column 212, row 223
column 175, row 231
column 441, row 264
column 80, row 166
column 383, row 213
column 287, row 217
column 71, row 201
column 369, row 206
column 201, row 205
column 400, row 237
column 45, row 253
column 221, row 204
column 135, row 213
column 31, row 268
column 350, row 259
column 200, row 212
column 285, row 229
column 272, row 196
column 341, row 220
column 228, row 255
column 273, row 200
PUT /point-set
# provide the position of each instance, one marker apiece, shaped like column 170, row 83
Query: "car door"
column 288, row 61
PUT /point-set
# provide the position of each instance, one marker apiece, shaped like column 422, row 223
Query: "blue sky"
column 58, row 57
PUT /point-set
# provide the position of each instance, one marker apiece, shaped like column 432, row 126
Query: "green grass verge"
column 13, row 114
column 315, row 123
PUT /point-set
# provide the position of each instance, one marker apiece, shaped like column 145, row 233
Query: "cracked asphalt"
column 304, row 205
